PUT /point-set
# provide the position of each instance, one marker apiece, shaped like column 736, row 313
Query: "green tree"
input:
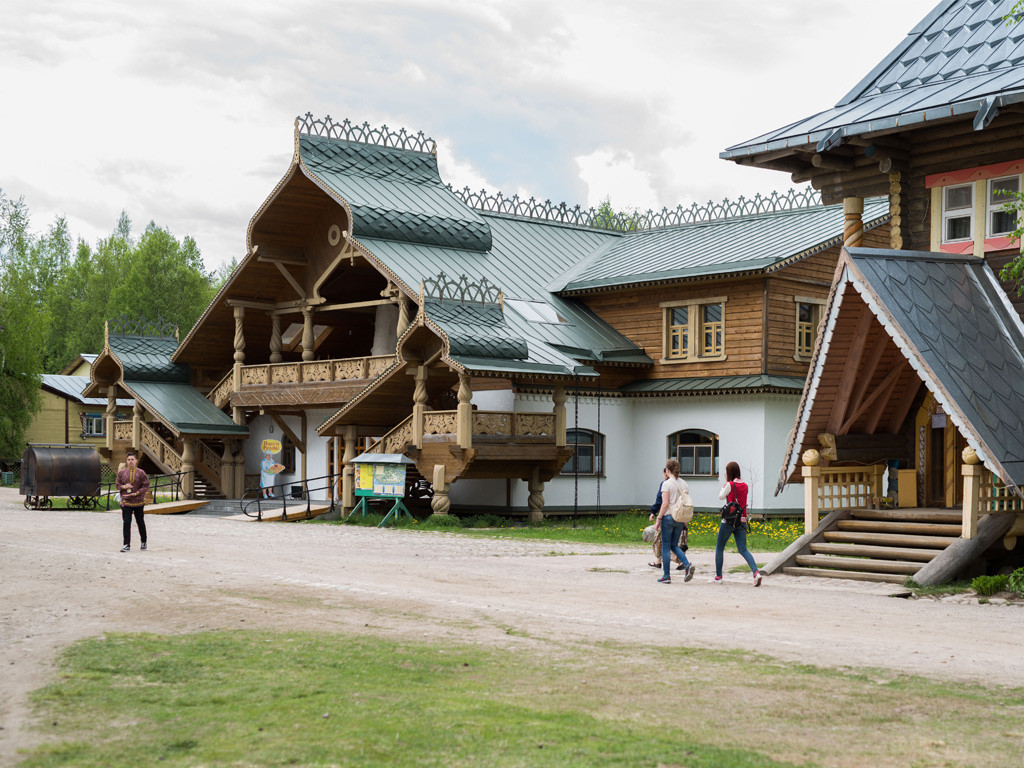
column 22, row 328
column 606, row 217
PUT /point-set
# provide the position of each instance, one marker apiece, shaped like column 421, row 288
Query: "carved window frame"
column 689, row 342
column 806, row 333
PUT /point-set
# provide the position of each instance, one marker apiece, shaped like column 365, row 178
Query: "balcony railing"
column 311, row 371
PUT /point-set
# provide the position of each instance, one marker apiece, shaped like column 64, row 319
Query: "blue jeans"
column 724, row 532
column 670, row 533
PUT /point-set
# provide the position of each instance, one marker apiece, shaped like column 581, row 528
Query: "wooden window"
column 808, row 318
column 958, row 213
column 694, row 330
column 1000, row 192
column 588, row 453
column 696, row 450
column 94, row 425
column 679, row 332
column 711, row 330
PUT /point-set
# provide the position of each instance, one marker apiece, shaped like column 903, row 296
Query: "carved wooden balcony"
column 314, row 382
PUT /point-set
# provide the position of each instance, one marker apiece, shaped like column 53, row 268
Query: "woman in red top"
column 734, row 490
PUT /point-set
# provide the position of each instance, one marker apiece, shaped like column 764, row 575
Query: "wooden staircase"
column 871, row 544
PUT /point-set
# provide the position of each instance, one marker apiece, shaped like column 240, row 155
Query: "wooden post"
column 111, row 414
column 227, row 472
column 348, row 472
column 464, row 414
column 239, row 452
column 188, row 467
column 307, row 334
column 137, row 426
column 440, row 503
column 403, row 313
column 558, row 397
column 536, row 500
column 239, row 335
column 812, row 481
column 972, row 499
column 419, row 405
column 853, row 229
column 275, row 338
column 895, row 212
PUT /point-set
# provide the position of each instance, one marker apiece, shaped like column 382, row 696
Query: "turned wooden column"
column 275, row 338
column 111, row 414
column 440, row 504
column 464, row 414
column 238, row 449
column 419, row 405
column 188, row 468
column 137, row 426
column 348, row 471
column 239, row 335
column 536, row 500
column 558, row 397
column 307, row 334
column 227, row 471
column 403, row 313
column 853, row 229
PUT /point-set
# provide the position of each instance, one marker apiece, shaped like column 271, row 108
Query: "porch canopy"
column 897, row 320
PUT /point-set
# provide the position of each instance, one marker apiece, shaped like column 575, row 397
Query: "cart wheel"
column 94, row 502
column 28, row 503
column 47, row 502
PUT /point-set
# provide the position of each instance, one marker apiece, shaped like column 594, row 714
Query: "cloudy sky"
column 182, row 112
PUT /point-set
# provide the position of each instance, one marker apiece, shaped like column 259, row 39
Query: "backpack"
column 682, row 509
column 732, row 513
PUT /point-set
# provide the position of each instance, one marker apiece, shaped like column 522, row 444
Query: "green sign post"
column 381, row 477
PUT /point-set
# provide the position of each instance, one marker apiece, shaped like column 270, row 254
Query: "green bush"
column 1016, row 582
column 989, row 585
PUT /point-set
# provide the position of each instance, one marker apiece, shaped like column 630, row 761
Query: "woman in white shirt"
column 671, row 488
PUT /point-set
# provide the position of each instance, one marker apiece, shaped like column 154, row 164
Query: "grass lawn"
column 280, row 699
column 773, row 535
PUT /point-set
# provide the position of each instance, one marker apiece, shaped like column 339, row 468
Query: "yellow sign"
column 270, row 446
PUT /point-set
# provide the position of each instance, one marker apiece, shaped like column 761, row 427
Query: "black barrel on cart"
column 60, row 470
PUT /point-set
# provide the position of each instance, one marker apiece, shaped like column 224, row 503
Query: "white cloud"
column 181, row 112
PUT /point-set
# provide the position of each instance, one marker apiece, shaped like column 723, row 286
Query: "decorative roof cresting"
column 124, row 325
column 365, row 134
column 462, row 290
column 793, row 199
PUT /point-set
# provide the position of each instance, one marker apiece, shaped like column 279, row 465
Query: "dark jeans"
column 126, row 518
column 724, row 532
column 670, row 533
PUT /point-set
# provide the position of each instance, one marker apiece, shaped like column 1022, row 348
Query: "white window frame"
column 695, row 349
column 693, row 449
column 996, row 206
column 966, row 212
column 596, row 442
column 93, row 425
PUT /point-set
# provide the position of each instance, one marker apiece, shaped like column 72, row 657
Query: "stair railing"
column 254, row 507
column 839, row 487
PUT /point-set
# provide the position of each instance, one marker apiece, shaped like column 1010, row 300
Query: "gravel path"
column 63, row 579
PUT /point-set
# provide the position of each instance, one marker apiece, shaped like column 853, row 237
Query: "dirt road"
column 63, row 579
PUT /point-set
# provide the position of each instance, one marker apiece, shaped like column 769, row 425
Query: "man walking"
column 132, row 483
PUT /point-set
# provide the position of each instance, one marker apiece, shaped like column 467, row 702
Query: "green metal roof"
column 962, row 59
column 710, row 384
column 183, row 408
column 147, row 358
column 395, row 194
column 740, row 244
column 524, row 257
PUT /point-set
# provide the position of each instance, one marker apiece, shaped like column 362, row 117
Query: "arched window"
column 589, row 453
column 696, row 450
